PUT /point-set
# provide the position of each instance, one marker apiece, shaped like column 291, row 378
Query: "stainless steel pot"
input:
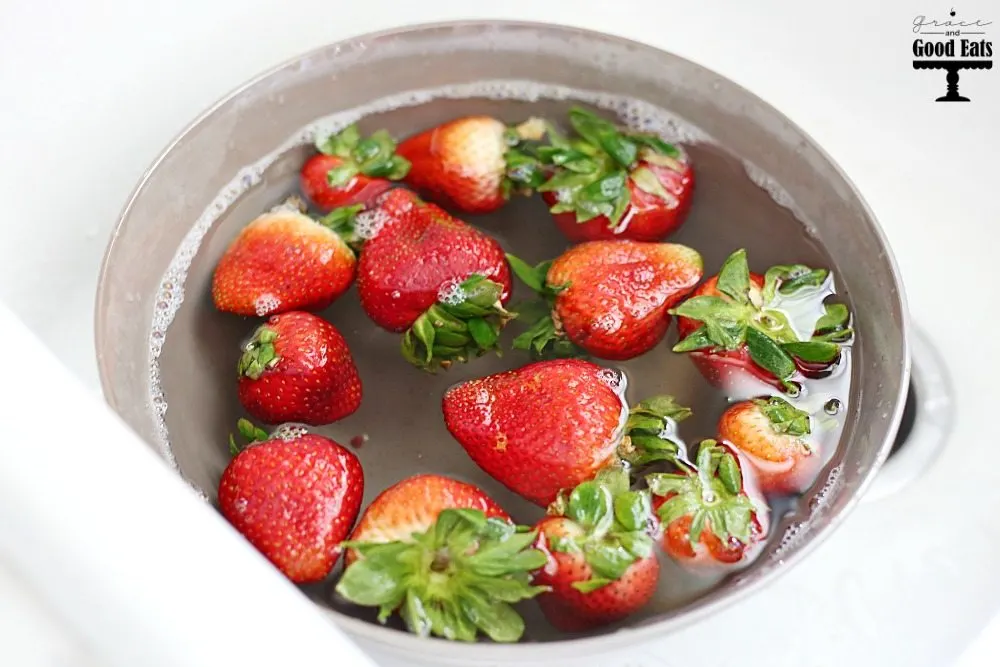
column 813, row 215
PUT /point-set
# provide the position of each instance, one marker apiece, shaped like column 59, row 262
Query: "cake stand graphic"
column 953, row 67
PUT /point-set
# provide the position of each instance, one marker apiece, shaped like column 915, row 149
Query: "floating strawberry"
column 551, row 425
column 437, row 279
column 446, row 557
column 297, row 367
column 705, row 512
column 771, row 435
column 473, row 164
column 350, row 169
column 294, row 496
column 771, row 327
column 284, row 260
column 608, row 298
column 612, row 183
column 601, row 566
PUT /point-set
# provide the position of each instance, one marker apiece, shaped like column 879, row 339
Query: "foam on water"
column 635, row 113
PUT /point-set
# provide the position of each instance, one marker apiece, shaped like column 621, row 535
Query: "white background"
column 92, row 90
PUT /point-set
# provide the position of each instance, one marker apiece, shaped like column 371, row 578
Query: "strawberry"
column 297, row 367
column 608, row 298
column 610, row 183
column 294, row 496
column 437, row 279
column 601, row 566
column 285, row 260
column 551, row 425
column 771, row 434
column 446, row 557
column 473, row 164
column 350, row 169
column 706, row 514
column 775, row 328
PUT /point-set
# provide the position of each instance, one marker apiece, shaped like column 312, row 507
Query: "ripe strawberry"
column 775, row 328
column 438, row 279
column 297, row 367
column 614, row 184
column 285, row 260
column 601, row 566
column 350, row 169
column 473, row 164
column 771, row 435
column 446, row 557
column 609, row 298
column 706, row 514
column 294, row 496
column 552, row 425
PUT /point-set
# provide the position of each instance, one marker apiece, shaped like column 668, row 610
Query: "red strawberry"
column 438, row 279
column 297, row 367
column 601, row 566
column 775, row 328
column 446, row 557
column 350, row 169
column 615, row 184
column 609, row 298
column 283, row 261
column 771, row 435
column 294, row 497
column 551, row 425
column 706, row 514
column 472, row 164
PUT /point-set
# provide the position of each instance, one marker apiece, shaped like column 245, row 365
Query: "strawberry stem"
column 465, row 322
column 544, row 338
column 259, row 353
column 374, row 156
column 341, row 220
column 249, row 432
column 650, row 432
column 455, row 580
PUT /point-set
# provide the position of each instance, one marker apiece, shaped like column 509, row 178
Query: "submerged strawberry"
column 611, row 183
column 437, row 279
column 772, row 327
column 294, row 496
column 473, row 164
column 552, row 425
column 601, row 566
column 771, row 434
column 351, row 169
column 706, row 514
column 284, row 260
column 608, row 298
column 443, row 555
column 298, row 368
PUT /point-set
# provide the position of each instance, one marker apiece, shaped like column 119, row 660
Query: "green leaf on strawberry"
column 611, row 526
column 249, row 432
column 464, row 325
column 710, row 492
column 650, row 433
column 258, row 354
column 784, row 417
column 544, row 338
column 455, row 580
column 374, row 156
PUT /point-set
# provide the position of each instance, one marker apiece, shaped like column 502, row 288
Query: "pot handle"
column 927, row 421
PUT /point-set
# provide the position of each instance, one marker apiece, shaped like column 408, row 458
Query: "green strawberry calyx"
column 544, row 338
column 785, row 418
column 591, row 172
column 455, row 580
column 342, row 221
column 249, row 432
column 259, row 354
column 373, row 156
column 612, row 526
column 523, row 171
column 650, row 432
column 744, row 315
column 465, row 321
column 711, row 492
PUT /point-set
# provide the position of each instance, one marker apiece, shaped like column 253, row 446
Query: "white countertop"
column 94, row 90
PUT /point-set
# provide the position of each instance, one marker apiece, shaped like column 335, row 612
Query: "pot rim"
column 405, row 643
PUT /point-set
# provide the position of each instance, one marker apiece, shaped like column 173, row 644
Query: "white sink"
column 97, row 95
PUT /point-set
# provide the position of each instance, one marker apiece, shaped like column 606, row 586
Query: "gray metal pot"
column 195, row 366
